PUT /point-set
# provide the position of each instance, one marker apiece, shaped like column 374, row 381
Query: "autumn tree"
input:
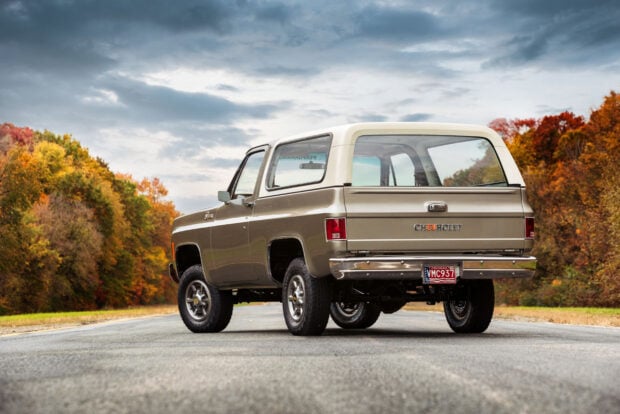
column 74, row 234
column 570, row 169
column 70, row 227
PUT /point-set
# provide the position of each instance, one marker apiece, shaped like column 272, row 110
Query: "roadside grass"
column 575, row 316
column 42, row 321
column 14, row 324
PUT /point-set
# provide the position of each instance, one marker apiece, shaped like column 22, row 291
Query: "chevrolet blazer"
column 358, row 220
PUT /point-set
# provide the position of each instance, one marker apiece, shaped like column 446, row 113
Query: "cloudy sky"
column 179, row 90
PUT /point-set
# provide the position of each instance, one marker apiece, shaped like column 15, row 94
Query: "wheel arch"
column 280, row 253
column 186, row 256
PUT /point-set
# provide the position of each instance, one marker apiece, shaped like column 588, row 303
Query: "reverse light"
column 336, row 228
column 529, row 228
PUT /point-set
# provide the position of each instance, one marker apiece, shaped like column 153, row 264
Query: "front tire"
column 305, row 300
column 203, row 307
column 358, row 315
column 473, row 310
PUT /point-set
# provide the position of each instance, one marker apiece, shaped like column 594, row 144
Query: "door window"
column 247, row 177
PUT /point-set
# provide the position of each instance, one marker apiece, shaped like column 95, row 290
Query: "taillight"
column 529, row 228
column 336, row 228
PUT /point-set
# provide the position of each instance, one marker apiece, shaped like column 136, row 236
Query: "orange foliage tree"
column 572, row 176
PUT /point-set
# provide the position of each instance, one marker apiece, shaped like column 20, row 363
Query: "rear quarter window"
column 299, row 163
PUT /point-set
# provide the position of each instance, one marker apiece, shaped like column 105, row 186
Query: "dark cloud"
column 274, row 12
column 159, row 104
column 77, row 36
column 550, row 8
column 274, row 38
column 114, row 102
column 41, row 19
column 575, row 32
column 402, row 25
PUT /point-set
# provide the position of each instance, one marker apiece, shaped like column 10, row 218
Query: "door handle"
column 209, row 216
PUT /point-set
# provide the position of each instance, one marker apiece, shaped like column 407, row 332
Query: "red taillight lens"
column 336, row 229
column 529, row 228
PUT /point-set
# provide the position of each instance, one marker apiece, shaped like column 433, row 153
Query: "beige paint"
column 233, row 238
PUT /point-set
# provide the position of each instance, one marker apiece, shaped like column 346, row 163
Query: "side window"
column 248, row 176
column 299, row 163
column 366, row 171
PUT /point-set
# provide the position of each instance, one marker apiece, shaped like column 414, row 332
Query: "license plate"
column 440, row 274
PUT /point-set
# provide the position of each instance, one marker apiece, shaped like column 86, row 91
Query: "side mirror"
column 223, row 196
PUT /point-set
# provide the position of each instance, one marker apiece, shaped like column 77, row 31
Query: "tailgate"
column 422, row 219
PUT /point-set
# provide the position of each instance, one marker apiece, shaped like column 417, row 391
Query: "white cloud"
column 101, row 96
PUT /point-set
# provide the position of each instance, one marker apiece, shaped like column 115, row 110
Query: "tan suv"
column 357, row 220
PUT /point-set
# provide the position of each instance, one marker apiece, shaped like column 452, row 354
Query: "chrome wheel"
column 203, row 308
column 198, row 300
column 354, row 315
column 295, row 294
column 348, row 310
column 460, row 309
column 305, row 300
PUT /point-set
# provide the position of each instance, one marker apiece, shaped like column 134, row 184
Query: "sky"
column 179, row 90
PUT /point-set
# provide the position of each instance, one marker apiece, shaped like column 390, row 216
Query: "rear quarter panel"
column 299, row 215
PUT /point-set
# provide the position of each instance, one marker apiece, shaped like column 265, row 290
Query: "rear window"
column 425, row 160
column 299, row 163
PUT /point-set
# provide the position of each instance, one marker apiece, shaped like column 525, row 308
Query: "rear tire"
column 203, row 307
column 472, row 313
column 305, row 300
column 358, row 315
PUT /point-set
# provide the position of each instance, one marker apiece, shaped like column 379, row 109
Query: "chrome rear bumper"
column 410, row 267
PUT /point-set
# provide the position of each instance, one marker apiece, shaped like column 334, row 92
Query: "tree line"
column 572, row 171
column 73, row 234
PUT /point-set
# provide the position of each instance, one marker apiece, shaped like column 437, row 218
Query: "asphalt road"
column 409, row 362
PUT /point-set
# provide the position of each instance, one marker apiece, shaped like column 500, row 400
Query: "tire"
column 358, row 315
column 472, row 313
column 203, row 307
column 305, row 300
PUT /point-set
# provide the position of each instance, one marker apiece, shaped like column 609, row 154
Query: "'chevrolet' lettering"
column 437, row 227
